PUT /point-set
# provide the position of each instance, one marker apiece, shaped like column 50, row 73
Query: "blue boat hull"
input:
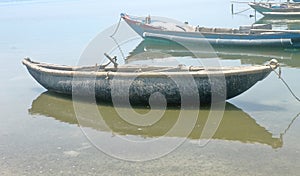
column 225, row 40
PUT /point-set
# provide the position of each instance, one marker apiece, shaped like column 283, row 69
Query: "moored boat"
column 173, row 83
column 277, row 9
column 252, row 35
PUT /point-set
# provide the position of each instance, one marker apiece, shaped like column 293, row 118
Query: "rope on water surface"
column 290, row 124
column 271, row 64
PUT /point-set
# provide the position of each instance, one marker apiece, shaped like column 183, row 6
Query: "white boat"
column 287, row 9
column 254, row 35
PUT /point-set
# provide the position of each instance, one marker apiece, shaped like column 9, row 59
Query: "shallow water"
column 39, row 131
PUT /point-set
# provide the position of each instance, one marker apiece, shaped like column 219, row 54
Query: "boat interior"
column 134, row 68
column 122, row 68
column 245, row 29
column 241, row 30
column 185, row 27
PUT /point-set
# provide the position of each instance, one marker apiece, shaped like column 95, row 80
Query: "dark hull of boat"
column 145, row 85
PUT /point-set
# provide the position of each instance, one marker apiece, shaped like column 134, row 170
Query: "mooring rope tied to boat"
column 284, row 82
column 240, row 2
column 119, row 47
column 235, row 13
column 112, row 36
column 117, row 28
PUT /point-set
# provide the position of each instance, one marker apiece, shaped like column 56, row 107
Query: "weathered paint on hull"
column 270, row 39
column 226, row 42
column 144, row 86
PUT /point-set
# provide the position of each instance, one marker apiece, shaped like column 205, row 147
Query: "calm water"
column 39, row 132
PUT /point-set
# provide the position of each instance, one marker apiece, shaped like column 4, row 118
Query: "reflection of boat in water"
column 177, row 84
column 152, row 49
column 282, row 20
column 290, row 23
column 236, row 125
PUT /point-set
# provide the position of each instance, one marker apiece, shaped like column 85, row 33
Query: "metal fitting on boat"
column 273, row 62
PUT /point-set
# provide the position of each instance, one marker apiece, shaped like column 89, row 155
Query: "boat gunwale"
column 207, row 71
column 221, row 30
column 264, row 5
column 276, row 12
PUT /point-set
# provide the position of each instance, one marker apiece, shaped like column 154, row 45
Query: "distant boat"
column 277, row 9
column 147, row 80
column 254, row 35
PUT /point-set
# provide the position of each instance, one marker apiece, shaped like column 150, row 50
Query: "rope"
column 284, row 82
column 117, row 27
column 247, row 2
column 241, row 11
column 112, row 36
column 119, row 47
column 289, row 126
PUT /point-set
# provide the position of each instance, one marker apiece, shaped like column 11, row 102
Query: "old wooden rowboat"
column 252, row 35
column 172, row 82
